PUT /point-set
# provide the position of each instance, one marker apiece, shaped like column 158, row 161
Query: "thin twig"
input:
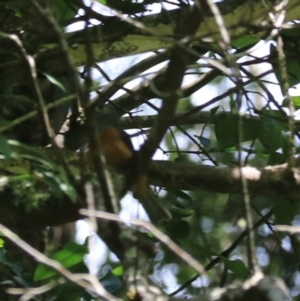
column 284, row 75
column 192, row 262
column 35, row 112
column 74, row 83
column 29, row 293
column 86, row 281
column 225, row 253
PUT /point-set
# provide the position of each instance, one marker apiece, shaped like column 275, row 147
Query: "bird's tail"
column 155, row 210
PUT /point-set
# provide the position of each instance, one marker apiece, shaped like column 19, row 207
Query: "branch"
column 144, row 91
column 271, row 181
column 187, row 25
column 257, row 288
column 119, row 39
column 86, row 281
column 204, row 117
column 158, row 29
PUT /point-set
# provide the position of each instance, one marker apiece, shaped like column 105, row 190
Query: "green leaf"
column 126, row 6
column 54, row 81
column 185, row 272
column 236, row 266
column 40, row 155
column 284, row 211
column 72, row 292
column 204, row 141
column 244, row 41
column 65, row 9
column 204, row 249
column 181, row 213
column 276, row 158
column 7, row 260
column 10, row 99
column 271, row 130
column 232, row 104
column 118, row 271
column 295, row 100
column 181, row 194
column 292, row 64
column 226, row 130
column 59, row 185
column 214, row 110
column 71, row 255
column 178, row 228
column 286, row 145
column 5, row 148
column 291, row 48
column 111, row 282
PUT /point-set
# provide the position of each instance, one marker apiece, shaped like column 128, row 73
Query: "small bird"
column 117, row 148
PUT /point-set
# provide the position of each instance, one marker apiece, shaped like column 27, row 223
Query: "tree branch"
column 272, row 181
column 128, row 40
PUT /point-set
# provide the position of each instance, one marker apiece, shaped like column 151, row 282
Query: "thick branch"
column 118, row 39
column 271, row 181
column 187, row 25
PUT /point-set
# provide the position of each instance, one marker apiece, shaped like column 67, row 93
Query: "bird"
column 117, row 148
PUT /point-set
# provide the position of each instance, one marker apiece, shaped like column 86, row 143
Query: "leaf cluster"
column 195, row 98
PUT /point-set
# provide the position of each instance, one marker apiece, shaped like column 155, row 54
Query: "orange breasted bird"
column 117, row 148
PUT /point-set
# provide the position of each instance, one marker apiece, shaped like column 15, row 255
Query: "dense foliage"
column 207, row 88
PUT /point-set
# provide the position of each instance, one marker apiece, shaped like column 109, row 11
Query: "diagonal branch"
column 115, row 39
column 187, row 26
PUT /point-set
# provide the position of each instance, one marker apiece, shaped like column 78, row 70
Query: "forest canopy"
column 182, row 114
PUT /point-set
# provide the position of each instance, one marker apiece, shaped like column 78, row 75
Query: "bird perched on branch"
column 117, row 148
